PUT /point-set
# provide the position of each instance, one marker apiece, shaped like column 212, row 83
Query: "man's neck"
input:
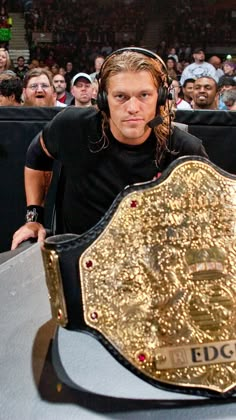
column 61, row 95
column 208, row 107
column 82, row 105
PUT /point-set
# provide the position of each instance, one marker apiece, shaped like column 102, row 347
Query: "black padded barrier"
column 19, row 125
column 217, row 129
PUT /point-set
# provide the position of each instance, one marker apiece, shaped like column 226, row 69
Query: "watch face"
column 31, row 215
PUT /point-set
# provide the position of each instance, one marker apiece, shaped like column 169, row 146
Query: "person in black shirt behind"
column 128, row 139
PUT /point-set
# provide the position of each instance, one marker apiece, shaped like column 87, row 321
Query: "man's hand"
column 29, row 230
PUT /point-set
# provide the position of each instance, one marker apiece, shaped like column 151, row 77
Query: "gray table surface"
column 29, row 385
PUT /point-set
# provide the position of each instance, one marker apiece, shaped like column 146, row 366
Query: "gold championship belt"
column 155, row 279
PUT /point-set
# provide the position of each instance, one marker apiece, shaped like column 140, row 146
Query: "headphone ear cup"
column 162, row 95
column 102, row 101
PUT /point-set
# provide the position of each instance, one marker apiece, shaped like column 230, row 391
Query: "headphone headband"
column 139, row 50
column 102, row 102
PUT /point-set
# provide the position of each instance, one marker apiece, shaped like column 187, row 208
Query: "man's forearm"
column 36, row 186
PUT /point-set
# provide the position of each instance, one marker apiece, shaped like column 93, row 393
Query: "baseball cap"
column 80, row 76
column 198, row 50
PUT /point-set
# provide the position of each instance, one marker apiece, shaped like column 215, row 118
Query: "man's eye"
column 120, row 96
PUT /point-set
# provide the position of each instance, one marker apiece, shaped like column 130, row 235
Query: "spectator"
column 98, row 62
column 171, row 67
column 177, row 101
column 55, row 69
column 62, row 71
column 229, row 68
column 187, row 90
column 7, row 74
column 5, row 62
column 38, row 88
column 10, row 92
column 82, row 90
column 59, row 84
column 225, row 83
column 21, row 69
column 229, row 99
column 217, row 63
column 34, row 64
column 173, row 54
column 205, row 93
column 69, row 75
column 199, row 68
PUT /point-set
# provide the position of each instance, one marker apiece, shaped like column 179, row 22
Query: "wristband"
column 34, row 214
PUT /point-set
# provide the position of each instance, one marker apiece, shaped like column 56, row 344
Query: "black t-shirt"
column 95, row 175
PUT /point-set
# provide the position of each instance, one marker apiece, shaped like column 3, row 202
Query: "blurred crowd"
column 82, row 37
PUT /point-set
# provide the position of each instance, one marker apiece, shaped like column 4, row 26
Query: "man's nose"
column 39, row 88
column 132, row 104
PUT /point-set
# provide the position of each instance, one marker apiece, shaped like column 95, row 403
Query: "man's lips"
column 133, row 120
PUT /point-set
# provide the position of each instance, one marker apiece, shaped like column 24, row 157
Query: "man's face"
column 6, row 100
column 82, row 91
column 188, row 91
column 175, row 89
column 204, row 94
column 226, row 87
column 132, row 100
column 199, row 57
column 69, row 66
column 98, row 63
column 21, row 62
column 59, row 84
column 39, row 92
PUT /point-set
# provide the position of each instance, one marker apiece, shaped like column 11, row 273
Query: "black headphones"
column 163, row 92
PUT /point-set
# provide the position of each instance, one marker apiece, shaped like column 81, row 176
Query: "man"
column 82, row 90
column 21, row 69
column 38, row 88
column 225, row 83
column 229, row 99
column 217, row 63
column 129, row 140
column 205, row 93
column 177, row 101
column 199, row 68
column 10, row 92
column 98, row 62
column 59, row 84
column 70, row 72
column 187, row 90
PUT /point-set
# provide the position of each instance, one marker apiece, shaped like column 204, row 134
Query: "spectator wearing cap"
column 225, row 83
column 229, row 99
column 82, row 90
column 199, row 68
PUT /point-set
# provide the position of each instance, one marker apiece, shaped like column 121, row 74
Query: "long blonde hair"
column 130, row 60
column 8, row 62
